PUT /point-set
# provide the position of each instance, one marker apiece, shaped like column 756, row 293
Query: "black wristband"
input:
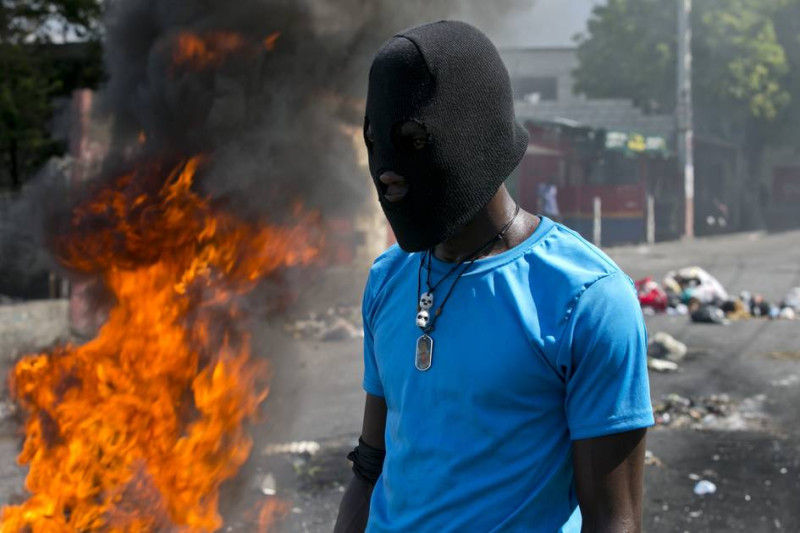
column 367, row 462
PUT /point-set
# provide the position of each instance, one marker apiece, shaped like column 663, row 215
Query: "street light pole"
column 684, row 118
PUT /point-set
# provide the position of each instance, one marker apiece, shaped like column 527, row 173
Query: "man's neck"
column 486, row 224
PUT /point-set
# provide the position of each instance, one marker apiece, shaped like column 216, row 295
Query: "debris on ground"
column 704, row 487
column 695, row 292
column 650, row 459
column 788, row 381
column 336, row 324
column 694, row 283
column 792, row 299
column 651, row 295
column 661, row 365
column 268, row 485
column 717, row 411
column 709, row 314
column 303, row 446
column 665, row 346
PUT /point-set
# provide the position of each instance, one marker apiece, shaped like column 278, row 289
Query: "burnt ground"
column 751, row 452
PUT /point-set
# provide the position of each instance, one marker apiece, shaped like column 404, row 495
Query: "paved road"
column 316, row 397
column 757, row 471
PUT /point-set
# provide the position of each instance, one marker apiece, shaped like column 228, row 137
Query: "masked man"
column 505, row 357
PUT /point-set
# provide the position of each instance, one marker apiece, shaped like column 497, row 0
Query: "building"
column 632, row 156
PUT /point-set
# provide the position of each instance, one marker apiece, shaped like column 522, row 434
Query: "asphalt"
column 315, row 404
column 755, row 468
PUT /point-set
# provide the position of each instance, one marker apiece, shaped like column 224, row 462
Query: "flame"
column 211, row 49
column 271, row 512
column 270, row 40
column 137, row 429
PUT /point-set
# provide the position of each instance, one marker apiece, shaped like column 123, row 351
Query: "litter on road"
column 695, row 292
column 704, row 487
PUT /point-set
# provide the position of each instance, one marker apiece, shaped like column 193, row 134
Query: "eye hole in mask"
column 410, row 136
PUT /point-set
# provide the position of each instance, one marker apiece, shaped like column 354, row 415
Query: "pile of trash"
column 694, row 292
column 335, row 324
column 664, row 352
column 717, row 412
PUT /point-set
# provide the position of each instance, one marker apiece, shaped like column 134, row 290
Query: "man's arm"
column 354, row 509
column 609, row 477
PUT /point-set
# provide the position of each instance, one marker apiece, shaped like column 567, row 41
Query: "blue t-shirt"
column 538, row 346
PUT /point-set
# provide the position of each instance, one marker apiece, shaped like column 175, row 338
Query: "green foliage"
column 32, row 73
column 740, row 66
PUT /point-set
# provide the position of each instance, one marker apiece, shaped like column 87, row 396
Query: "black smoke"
column 272, row 119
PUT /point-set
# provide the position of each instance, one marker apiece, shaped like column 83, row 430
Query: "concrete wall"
column 541, row 63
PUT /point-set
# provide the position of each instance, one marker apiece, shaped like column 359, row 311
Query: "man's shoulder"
column 563, row 266
column 386, row 266
column 563, row 253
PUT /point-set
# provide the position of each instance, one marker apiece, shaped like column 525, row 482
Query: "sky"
column 547, row 23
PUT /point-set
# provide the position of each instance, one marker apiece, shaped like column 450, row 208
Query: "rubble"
column 297, row 447
column 665, row 346
column 335, row 324
column 650, row 459
column 661, row 365
column 717, row 411
column 704, row 487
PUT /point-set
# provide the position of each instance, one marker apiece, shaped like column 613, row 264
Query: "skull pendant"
column 426, row 301
column 422, row 319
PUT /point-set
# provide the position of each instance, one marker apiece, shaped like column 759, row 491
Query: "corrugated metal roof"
column 619, row 115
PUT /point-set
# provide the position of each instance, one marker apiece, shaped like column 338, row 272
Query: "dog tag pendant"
column 424, row 355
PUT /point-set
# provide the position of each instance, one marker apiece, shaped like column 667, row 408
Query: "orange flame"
column 270, row 40
column 137, row 429
column 271, row 512
column 212, row 49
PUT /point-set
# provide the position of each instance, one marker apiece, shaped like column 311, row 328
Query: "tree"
column 745, row 70
column 30, row 77
column 740, row 67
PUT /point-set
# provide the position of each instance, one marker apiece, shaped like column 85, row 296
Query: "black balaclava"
column 448, row 77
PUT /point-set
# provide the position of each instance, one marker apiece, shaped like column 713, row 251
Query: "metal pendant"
column 424, row 355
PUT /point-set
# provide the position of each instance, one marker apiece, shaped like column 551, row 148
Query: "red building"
column 620, row 168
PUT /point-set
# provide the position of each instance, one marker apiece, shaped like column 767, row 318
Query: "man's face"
column 440, row 130
column 409, row 136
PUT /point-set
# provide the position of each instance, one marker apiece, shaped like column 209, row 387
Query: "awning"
column 538, row 149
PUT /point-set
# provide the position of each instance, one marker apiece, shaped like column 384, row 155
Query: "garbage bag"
column 651, row 295
column 709, row 314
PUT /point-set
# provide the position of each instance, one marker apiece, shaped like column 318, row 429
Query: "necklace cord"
column 467, row 262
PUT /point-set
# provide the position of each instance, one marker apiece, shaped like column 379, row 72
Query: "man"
column 548, row 200
column 504, row 356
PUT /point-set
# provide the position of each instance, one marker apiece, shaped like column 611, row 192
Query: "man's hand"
column 354, row 509
column 609, row 476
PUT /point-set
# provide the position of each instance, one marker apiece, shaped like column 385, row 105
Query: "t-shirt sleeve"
column 372, row 382
column 603, row 355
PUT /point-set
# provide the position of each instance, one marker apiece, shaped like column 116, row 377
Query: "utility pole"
column 685, row 123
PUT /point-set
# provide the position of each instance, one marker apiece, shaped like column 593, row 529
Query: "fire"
column 270, row 40
column 212, row 49
column 137, row 429
column 271, row 511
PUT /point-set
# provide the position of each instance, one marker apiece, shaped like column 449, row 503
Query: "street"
column 750, row 452
column 753, row 459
